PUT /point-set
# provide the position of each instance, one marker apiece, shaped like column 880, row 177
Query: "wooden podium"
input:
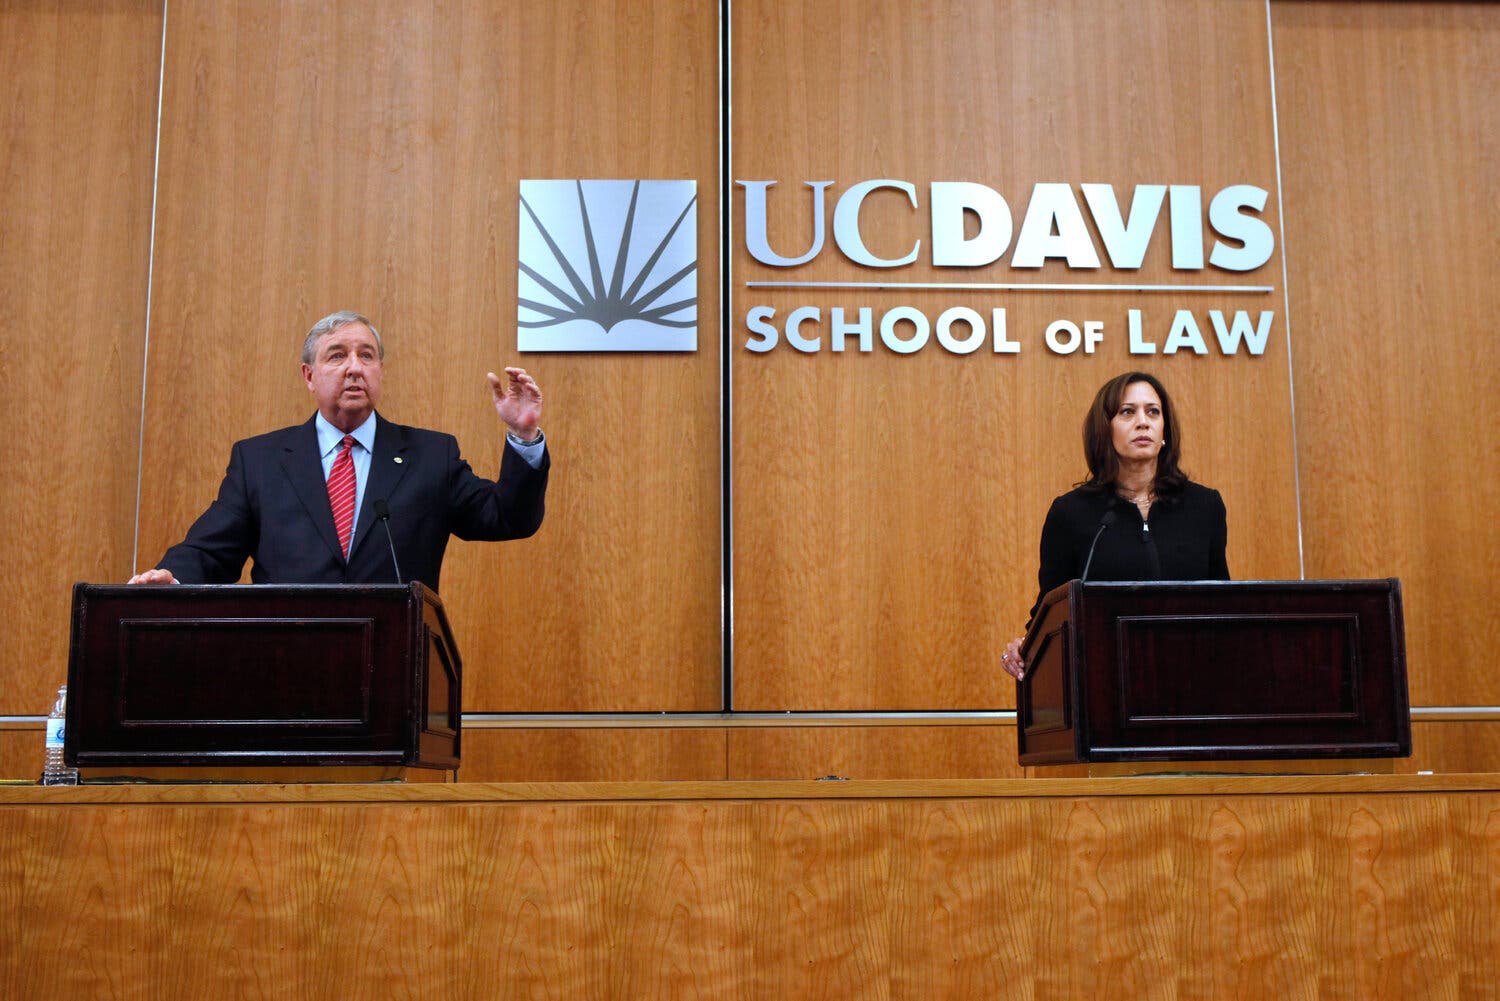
column 278, row 683
column 1215, row 671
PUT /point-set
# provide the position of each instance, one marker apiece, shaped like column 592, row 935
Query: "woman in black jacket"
column 1150, row 521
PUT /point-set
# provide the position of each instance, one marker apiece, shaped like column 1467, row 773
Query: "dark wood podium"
column 259, row 677
column 1215, row 670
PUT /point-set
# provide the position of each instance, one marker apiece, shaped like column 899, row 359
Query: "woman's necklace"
column 1143, row 501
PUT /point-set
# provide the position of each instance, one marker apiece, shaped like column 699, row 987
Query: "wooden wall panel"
column 21, row 751
column 318, row 156
column 1333, row 894
column 873, row 752
column 292, row 185
column 1448, row 747
column 77, row 122
column 1444, row 747
column 593, row 754
column 887, row 507
column 1390, row 135
column 630, row 754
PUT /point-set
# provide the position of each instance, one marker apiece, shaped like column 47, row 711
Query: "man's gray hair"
column 328, row 325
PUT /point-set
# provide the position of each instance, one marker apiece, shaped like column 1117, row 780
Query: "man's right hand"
column 153, row 577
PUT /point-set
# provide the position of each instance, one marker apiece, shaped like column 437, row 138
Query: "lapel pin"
column 398, row 458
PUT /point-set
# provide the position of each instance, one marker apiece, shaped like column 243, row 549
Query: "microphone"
column 1104, row 522
column 383, row 512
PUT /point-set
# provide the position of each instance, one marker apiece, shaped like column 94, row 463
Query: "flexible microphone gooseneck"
column 383, row 512
column 1104, row 522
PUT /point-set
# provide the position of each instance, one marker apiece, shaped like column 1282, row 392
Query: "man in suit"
column 304, row 502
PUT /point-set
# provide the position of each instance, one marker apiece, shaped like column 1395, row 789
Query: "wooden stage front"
column 1241, row 887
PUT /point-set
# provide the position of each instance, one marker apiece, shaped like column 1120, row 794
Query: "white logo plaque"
column 608, row 266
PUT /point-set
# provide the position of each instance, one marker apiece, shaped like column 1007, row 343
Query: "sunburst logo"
column 608, row 266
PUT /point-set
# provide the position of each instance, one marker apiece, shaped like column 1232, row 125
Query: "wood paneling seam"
column 726, row 369
column 1286, row 295
column 140, row 443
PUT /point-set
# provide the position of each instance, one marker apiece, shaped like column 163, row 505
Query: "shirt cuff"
column 531, row 451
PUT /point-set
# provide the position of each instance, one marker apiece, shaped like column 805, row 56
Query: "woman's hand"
column 1012, row 661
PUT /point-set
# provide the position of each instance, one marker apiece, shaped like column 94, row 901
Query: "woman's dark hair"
column 1099, row 445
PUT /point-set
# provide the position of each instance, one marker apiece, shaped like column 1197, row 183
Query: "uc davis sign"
column 1053, row 227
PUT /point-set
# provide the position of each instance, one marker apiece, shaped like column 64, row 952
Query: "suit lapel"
column 304, row 469
column 387, row 466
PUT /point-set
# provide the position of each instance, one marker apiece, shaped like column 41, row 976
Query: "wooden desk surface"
column 856, row 789
column 1235, row 887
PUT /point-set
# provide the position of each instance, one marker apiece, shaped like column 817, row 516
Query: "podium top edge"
column 1381, row 585
column 189, row 594
column 1320, row 584
column 113, row 589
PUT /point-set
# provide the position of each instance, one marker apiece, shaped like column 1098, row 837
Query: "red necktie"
column 341, row 493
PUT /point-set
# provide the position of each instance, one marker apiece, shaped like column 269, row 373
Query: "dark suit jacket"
column 1186, row 539
column 273, row 508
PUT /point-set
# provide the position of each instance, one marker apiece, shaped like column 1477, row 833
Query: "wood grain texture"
column 1448, row 747
column 1392, row 297
column 1334, row 895
column 21, row 749
column 382, row 793
column 625, row 754
column 291, row 185
column 294, row 183
column 873, row 752
column 1452, row 746
column 77, row 123
column 887, row 549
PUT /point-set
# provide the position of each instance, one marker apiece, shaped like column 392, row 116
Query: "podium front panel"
column 1203, row 670
column 235, row 675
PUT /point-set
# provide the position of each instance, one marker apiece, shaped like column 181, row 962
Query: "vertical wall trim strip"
column 1286, row 297
column 726, row 362
column 140, row 442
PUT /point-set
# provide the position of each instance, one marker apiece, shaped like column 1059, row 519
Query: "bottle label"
column 54, row 733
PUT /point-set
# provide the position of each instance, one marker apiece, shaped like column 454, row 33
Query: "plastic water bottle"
column 54, row 772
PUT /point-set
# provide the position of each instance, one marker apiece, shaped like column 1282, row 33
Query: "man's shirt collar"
column 330, row 436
